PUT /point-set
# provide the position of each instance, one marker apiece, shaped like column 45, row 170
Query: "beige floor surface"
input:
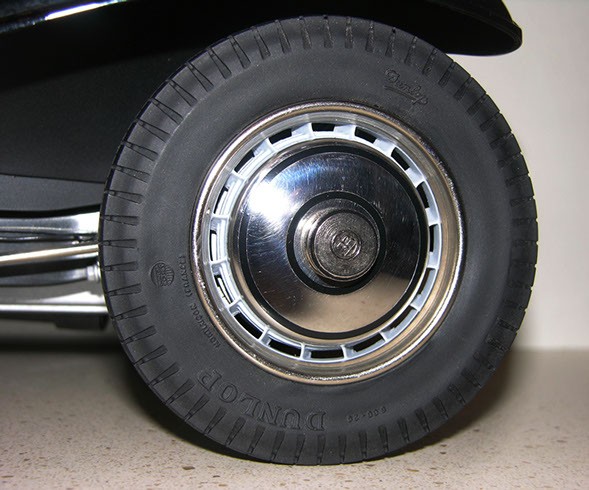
column 75, row 415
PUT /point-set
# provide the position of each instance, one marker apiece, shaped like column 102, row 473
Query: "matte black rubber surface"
column 146, row 229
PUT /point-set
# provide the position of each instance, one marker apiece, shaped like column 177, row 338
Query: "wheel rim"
column 327, row 243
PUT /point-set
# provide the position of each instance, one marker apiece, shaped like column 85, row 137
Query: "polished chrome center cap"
column 321, row 250
column 340, row 246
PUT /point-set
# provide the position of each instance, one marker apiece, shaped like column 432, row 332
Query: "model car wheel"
column 318, row 240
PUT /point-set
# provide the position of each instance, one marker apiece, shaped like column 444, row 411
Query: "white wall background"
column 543, row 91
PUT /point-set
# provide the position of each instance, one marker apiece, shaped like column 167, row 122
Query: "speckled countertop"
column 75, row 415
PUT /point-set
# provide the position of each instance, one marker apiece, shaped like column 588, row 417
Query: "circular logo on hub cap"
column 346, row 244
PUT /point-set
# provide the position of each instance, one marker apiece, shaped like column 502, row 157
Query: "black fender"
column 75, row 73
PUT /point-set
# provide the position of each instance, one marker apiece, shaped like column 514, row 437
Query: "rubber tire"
column 147, row 217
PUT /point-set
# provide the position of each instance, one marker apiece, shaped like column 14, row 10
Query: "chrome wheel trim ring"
column 219, row 269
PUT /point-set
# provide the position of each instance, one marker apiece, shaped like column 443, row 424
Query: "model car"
column 315, row 237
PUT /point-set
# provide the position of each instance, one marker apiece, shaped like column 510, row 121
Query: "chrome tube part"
column 37, row 246
column 81, row 224
column 83, row 297
column 50, row 255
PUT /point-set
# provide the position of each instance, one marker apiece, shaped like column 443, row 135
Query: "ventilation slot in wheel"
column 432, row 237
column 327, row 354
column 365, row 135
column 221, row 200
column 248, row 156
column 213, row 250
column 366, row 344
column 223, row 289
column 423, row 195
column 400, row 159
column 282, row 135
column 289, row 350
column 426, row 280
column 249, row 326
column 322, row 127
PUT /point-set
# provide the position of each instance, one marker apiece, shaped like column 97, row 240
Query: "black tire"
column 146, row 240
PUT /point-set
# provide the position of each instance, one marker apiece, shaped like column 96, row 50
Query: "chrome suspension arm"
column 50, row 265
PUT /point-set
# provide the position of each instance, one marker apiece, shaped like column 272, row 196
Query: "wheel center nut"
column 343, row 246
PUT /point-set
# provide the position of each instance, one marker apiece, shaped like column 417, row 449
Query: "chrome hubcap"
column 327, row 242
